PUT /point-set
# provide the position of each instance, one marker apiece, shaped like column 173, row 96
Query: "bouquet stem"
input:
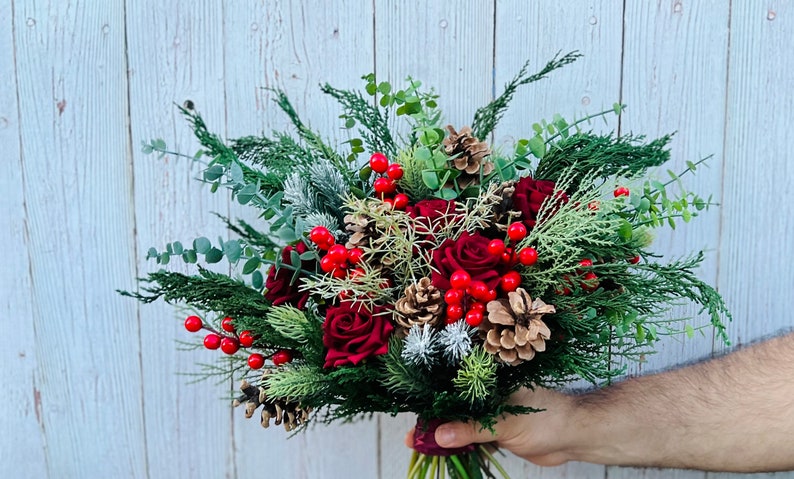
column 471, row 465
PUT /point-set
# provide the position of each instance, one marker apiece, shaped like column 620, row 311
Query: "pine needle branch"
column 486, row 118
column 377, row 136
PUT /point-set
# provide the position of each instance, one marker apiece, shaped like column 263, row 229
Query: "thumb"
column 459, row 434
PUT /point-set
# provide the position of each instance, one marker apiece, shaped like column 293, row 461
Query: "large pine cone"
column 470, row 154
column 291, row 414
column 422, row 304
column 513, row 328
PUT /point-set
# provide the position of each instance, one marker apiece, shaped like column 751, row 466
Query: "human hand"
column 545, row 438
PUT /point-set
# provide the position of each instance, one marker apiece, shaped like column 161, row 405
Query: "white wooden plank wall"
column 91, row 380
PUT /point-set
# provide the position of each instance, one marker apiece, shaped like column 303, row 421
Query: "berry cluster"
column 229, row 341
column 339, row 261
column 386, row 186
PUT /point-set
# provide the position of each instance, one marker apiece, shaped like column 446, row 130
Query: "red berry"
column 378, row 162
column 590, row 281
column 226, row 324
column 229, row 345
column 509, row 256
column 528, row 256
column 337, row 253
column 453, row 296
column 400, row 201
column 356, row 272
column 621, row 191
column 510, row 281
column 390, row 202
column 634, row 260
column 593, row 205
column 460, row 279
column 474, row 318
column 193, row 324
column 394, row 171
column 454, row 312
column 344, row 295
column 339, row 273
column 247, row 339
column 496, row 247
column 320, row 235
column 354, row 255
column 212, row 341
column 256, row 361
column 479, row 290
column 477, row 306
column 586, row 263
column 517, row 231
column 491, row 295
column 282, row 357
column 327, row 264
column 384, row 186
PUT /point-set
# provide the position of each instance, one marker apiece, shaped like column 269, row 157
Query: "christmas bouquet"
column 428, row 272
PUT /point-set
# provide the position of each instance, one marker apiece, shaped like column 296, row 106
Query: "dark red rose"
column 279, row 289
column 469, row 253
column 530, row 195
column 352, row 332
column 425, row 440
column 431, row 214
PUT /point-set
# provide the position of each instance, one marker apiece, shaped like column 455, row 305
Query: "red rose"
column 279, row 290
column 431, row 214
column 469, row 253
column 530, row 195
column 351, row 333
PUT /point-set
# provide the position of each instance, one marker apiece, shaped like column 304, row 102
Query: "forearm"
column 734, row 413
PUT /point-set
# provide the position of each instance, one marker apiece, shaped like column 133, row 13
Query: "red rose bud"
column 530, row 195
column 378, row 162
column 281, row 289
column 352, row 332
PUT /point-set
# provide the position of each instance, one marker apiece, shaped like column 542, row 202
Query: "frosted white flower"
column 421, row 346
column 455, row 341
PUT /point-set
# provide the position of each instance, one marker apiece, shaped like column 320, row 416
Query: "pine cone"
column 503, row 208
column 513, row 328
column 291, row 414
column 422, row 304
column 361, row 229
column 470, row 155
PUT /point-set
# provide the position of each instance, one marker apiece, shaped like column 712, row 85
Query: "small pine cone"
column 503, row 205
column 422, row 304
column 513, row 328
column 361, row 229
column 470, row 155
column 291, row 414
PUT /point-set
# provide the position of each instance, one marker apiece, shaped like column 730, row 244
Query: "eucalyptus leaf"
column 251, row 265
column 213, row 256
column 257, row 280
column 202, row 245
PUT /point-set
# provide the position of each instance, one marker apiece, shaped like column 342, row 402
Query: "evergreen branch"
column 251, row 235
column 311, row 138
column 486, row 118
column 280, row 157
column 371, row 117
column 209, row 291
column 582, row 154
column 476, row 378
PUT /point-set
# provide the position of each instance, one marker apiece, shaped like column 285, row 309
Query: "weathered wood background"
column 90, row 379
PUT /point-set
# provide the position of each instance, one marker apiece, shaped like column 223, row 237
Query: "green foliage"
column 279, row 157
column 581, row 155
column 486, row 118
column 476, row 378
column 376, row 132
